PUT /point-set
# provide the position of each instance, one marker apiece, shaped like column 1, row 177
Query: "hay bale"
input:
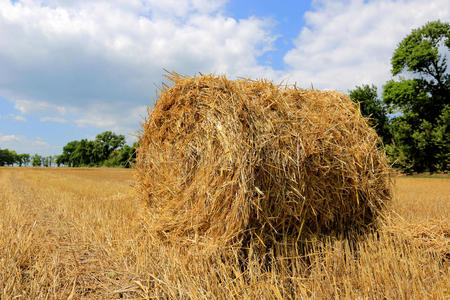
column 228, row 160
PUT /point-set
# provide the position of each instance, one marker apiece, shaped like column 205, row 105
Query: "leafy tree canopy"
column 420, row 133
column 107, row 149
column 371, row 106
column 419, row 53
column 7, row 157
column 10, row 157
column 36, row 160
column 106, row 143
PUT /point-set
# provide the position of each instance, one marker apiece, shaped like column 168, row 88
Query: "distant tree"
column 132, row 155
column 420, row 133
column 26, row 159
column 126, row 156
column 78, row 156
column 7, row 157
column 54, row 158
column 85, row 154
column 23, row 159
column 123, row 157
column 59, row 160
column 68, row 157
column 107, row 149
column 373, row 107
column 36, row 160
column 12, row 157
column 3, row 156
column 47, row 161
column 106, row 143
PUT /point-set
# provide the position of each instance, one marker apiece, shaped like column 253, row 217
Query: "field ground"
column 80, row 233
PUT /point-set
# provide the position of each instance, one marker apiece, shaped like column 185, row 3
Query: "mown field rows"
column 80, row 233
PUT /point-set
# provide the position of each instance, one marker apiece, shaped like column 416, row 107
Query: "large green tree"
column 124, row 157
column 106, row 143
column 10, row 157
column 7, row 157
column 371, row 106
column 36, row 160
column 419, row 100
column 23, row 159
column 106, row 146
column 67, row 157
column 83, row 154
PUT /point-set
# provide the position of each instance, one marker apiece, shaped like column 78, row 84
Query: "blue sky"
column 70, row 69
column 287, row 18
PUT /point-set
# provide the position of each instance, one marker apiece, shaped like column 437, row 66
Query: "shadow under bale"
column 229, row 162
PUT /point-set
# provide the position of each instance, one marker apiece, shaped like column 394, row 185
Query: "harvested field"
column 79, row 233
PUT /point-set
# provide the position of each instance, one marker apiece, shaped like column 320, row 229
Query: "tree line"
column 412, row 116
column 108, row 150
column 11, row 158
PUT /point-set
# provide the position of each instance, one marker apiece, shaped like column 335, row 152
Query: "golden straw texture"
column 236, row 160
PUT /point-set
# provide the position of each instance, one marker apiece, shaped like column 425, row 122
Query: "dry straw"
column 230, row 161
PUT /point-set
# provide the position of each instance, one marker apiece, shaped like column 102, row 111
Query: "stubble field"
column 80, row 233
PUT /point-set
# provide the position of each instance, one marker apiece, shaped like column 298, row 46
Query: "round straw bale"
column 229, row 160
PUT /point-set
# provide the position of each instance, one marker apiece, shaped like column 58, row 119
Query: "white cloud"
column 22, row 144
column 30, row 107
column 182, row 7
column 96, row 122
column 9, row 138
column 14, row 117
column 40, row 143
column 53, row 119
column 93, row 58
column 119, row 117
column 19, row 118
column 348, row 43
column 72, row 53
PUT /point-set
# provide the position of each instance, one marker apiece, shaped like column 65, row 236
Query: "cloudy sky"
column 70, row 69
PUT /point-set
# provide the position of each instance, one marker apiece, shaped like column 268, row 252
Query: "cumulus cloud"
column 39, row 107
column 13, row 117
column 60, row 55
column 118, row 118
column 100, row 60
column 22, row 144
column 9, row 138
column 53, row 119
column 19, row 118
column 348, row 43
